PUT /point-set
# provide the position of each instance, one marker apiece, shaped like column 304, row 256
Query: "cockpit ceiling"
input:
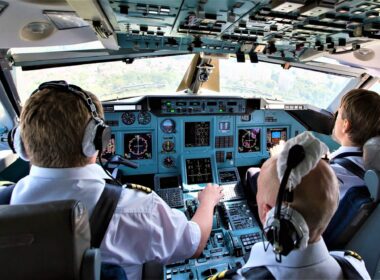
column 284, row 29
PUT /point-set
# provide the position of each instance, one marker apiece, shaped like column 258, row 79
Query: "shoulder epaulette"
column 138, row 187
column 226, row 274
column 353, row 254
column 6, row 183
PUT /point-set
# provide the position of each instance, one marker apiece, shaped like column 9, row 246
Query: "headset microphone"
column 283, row 228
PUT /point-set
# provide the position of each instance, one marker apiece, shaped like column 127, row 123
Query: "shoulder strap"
column 350, row 166
column 349, row 272
column 6, row 194
column 348, row 154
column 102, row 214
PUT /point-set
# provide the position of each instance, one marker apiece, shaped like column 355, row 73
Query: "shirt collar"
column 313, row 254
column 90, row 171
column 345, row 149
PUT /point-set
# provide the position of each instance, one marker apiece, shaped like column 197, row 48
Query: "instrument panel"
column 189, row 142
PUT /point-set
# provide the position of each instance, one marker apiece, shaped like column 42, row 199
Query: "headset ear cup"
column 292, row 230
column 88, row 146
column 18, row 144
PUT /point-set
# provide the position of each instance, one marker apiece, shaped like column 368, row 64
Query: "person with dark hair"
column 357, row 120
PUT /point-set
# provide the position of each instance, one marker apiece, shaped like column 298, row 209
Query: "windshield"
column 116, row 80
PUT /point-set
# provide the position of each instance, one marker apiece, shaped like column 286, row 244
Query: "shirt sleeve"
column 174, row 238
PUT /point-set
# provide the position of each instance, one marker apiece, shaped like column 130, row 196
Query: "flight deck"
column 184, row 143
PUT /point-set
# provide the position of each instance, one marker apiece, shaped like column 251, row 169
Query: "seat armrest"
column 90, row 269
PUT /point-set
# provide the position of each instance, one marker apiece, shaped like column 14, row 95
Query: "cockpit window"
column 162, row 75
column 272, row 81
column 376, row 87
column 113, row 80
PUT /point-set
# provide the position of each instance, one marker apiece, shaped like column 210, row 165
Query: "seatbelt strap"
column 349, row 272
column 103, row 212
column 6, row 194
column 348, row 154
column 350, row 166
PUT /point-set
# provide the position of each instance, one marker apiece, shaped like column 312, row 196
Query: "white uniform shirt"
column 143, row 227
column 314, row 262
column 345, row 177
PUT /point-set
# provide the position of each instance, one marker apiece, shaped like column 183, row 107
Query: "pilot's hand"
column 212, row 193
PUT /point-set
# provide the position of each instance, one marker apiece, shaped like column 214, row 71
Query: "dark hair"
column 361, row 108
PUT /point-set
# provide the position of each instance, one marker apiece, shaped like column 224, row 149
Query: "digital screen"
column 274, row 135
column 224, row 126
column 169, row 182
column 198, row 171
column 138, row 145
column 110, row 150
column 249, row 140
column 197, row 134
column 227, row 176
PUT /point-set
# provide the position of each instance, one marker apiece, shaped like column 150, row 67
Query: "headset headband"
column 64, row 86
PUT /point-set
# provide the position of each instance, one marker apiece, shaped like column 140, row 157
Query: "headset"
column 96, row 136
column 285, row 228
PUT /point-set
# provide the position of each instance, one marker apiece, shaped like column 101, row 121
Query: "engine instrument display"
column 249, row 140
column 169, row 182
column 198, row 171
column 275, row 135
column 197, row 134
column 138, row 145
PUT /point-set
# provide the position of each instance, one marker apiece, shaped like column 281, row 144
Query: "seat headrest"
column 44, row 241
column 371, row 153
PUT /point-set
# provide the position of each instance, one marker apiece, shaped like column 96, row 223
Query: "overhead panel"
column 275, row 28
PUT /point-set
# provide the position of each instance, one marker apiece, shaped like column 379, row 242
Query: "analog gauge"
column 168, row 146
column 138, row 146
column 128, row 118
column 168, row 126
column 144, row 117
column 168, row 162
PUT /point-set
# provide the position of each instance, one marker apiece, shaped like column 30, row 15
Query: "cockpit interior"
column 195, row 92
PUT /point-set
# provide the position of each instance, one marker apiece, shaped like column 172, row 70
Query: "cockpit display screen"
column 138, row 145
column 227, row 176
column 197, row 134
column 110, row 149
column 249, row 140
column 274, row 135
column 169, row 182
column 198, row 171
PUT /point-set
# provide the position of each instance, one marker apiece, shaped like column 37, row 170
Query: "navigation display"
column 274, row 135
column 197, row 134
column 138, row 145
column 198, row 171
column 249, row 140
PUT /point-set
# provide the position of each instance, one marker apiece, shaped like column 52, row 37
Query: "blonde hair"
column 52, row 128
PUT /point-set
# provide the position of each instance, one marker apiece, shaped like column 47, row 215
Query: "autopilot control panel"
column 184, row 143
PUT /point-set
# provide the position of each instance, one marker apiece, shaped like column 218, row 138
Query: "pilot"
column 357, row 120
column 315, row 198
column 143, row 228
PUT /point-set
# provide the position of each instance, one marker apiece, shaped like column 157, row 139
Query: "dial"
column 168, row 126
column 168, row 146
column 128, row 118
column 138, row 145
column 144, row 117
column 168, row 162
